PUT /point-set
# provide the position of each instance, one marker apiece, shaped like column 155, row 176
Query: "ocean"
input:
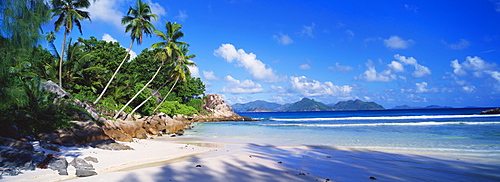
column 461, row 133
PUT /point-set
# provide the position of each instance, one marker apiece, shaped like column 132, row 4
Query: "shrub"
column 173, row 107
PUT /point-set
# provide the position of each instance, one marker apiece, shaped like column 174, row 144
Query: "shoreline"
column 191, row 159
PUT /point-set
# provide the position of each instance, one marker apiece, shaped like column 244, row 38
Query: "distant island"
column 427, row 107
column 305, row 104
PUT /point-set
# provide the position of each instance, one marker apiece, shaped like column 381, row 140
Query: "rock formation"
column 219, row 111
column 492, row 111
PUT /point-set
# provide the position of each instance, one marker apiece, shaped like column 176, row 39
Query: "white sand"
column 169, row 160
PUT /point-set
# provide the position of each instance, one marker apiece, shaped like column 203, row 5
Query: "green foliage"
column 147, row 108
column 35, row 111
column 173, row 107
column 195, row 103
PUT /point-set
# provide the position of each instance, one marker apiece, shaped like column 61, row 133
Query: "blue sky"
column 392, row 52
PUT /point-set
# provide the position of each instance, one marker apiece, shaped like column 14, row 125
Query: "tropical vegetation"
column 157, row 80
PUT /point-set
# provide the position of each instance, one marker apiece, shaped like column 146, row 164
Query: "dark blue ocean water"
column 461, row 132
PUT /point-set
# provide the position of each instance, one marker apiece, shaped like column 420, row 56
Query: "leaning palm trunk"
column 147, row 99
column 164, row 98
column 137, row 94
column 61, row 60
column 114, row 74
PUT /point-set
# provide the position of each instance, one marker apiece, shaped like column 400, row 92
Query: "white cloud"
column 457, row 68
column 308, row 30
column 107, row 11
column 420, row 71
column 463, row 44
column 395, row 42
column 396, row 66
column 157, row 9
column 182, row 16
column 195, row 71
column 422, row 88
column 308, row 87
column 106, row 37
column 349, row 33
column 305, row 67
column 411, row 8
column 209, row 75
column 475, row 64
column 340, row 68
column 468, row 89
column 241, row 87
column 371, row 74
column 249, row 61
column 283, row 39
column 494, row 74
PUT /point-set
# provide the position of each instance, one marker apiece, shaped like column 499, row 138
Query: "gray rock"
column 15, row 144
column 83, row 169
column 492, row 111
column 54, row 88
column 109, row 145
column 91, row 159
column 59, row 164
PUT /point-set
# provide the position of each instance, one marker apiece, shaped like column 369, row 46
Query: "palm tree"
column 138, row 22
column 179, row 69
column 69, row 14
column 168, row 50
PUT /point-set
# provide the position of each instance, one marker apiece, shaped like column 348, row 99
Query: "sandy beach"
column 166, row 159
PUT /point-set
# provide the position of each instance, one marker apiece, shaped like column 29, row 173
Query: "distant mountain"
column 259, row 109
column 437, row 107
column 256, row 104
column 427, row 107
column 307, row 105
column 356, row 105
column 406, row 107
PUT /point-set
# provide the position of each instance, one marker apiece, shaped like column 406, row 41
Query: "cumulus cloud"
column 283, row 39
column 340, row 68
column 182, row 16
column 468, row 89
column 475, row 64
column 107, row 11
column 395, row 42
column 195, row 71
column 157, row 9
column 308, row 30
column 396, row 66
column 249, row 61
column 422, row 88
column 309, row 87
column 462, row 44
column 241, row 87
column 420, row 71
column 108, row 38
column 209, row 75
column 371, row 75
column 305, row 67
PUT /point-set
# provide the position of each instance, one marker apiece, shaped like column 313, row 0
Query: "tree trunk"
column 61, row 60
column 114, row 74
column 144, row 102
column 164, row 98
column 137, row 94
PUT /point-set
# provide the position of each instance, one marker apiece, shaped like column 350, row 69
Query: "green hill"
column 256, row 104
column 307, row 105
column 357, row 105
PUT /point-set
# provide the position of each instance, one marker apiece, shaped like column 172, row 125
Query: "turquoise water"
column 456, row 132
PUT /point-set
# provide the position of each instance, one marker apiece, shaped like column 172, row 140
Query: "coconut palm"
column 169, row 49
column 138, row 22
column 179, row 69
column 69, row 15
